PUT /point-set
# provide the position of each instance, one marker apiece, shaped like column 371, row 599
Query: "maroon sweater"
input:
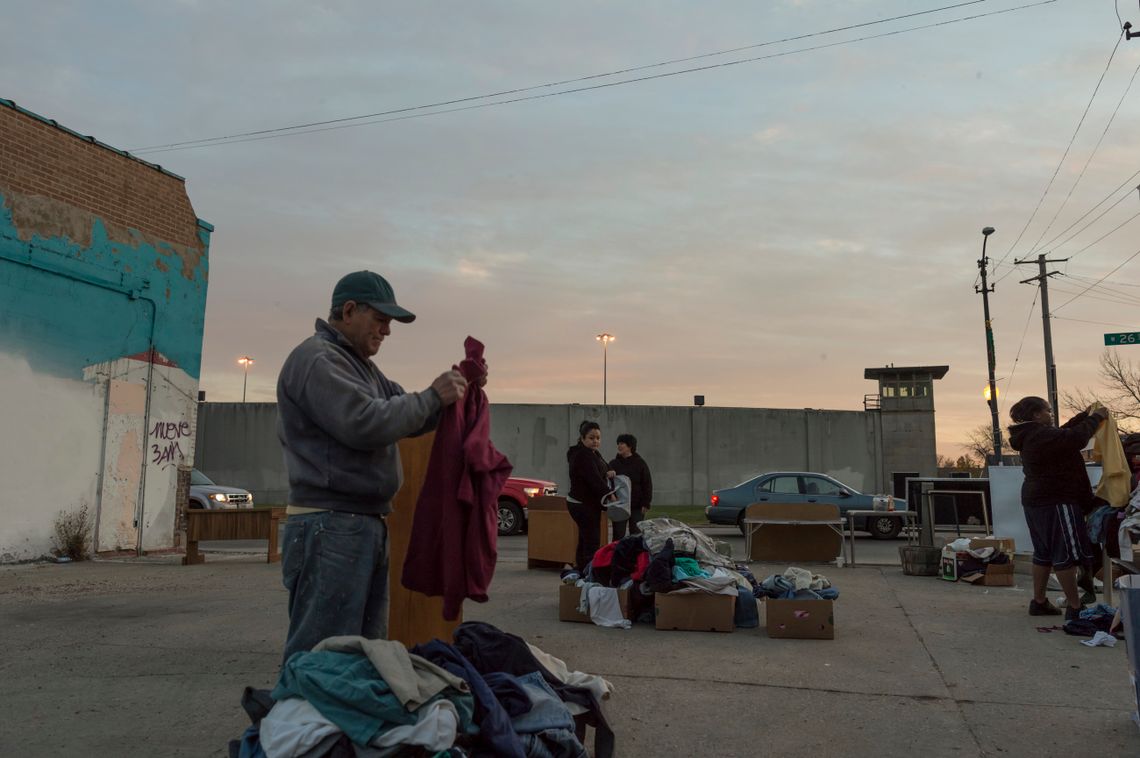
column 453, row 545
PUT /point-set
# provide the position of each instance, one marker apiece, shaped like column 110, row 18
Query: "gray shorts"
column 1059, row 534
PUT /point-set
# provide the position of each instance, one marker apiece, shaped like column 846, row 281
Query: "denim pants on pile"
column 335, row 566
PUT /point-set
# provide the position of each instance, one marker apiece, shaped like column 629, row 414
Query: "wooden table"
column 752, row 525
column 236, row 524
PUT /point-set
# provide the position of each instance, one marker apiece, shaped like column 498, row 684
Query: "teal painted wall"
column 67, row 304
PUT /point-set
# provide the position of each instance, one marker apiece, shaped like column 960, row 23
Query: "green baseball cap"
column 372, row 290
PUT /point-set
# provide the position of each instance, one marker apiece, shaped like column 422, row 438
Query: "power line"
column 1025, row 331
column 1109, row 293
column 1102, row 288
column 1098, row 281
column 1120, row 200
column 1068, row 239
column 1098, row 323
column 1060, row 163
column 1105, row 297
column 1117, row 228
column 1090, row 279
column 559, row 83
column 274, row 134
column 1092, row 155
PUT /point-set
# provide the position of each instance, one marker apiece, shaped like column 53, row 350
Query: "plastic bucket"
column 920, row 561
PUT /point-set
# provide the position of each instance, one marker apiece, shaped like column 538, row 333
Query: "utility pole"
column 990, row 359
column 1042, row 280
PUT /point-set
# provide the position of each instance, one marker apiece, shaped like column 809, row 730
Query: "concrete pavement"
column 147, row 657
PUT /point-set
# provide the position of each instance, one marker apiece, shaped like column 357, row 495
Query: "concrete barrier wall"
column 690, row 451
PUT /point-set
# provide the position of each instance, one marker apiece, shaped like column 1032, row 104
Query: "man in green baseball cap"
column 339, row 420
column 372, row 290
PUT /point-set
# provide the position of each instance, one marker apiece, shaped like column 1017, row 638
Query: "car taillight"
column 714, row 499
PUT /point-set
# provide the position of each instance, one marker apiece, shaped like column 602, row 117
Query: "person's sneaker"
column 1043, row 609
column 1073, row 614
column 1085, row 583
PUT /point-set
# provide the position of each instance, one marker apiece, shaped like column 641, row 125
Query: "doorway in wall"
column 898, row 481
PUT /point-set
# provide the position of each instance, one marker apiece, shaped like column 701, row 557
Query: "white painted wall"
column 68, row 443
column 163, row 442
column 49, row 454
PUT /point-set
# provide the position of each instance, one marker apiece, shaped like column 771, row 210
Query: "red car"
column 516, row 493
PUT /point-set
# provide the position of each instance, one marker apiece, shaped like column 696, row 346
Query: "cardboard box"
column 998, row 575
column 568, row 597
column 695, row 611
column 948, row 567
column 800, row 619
column 1004, row 545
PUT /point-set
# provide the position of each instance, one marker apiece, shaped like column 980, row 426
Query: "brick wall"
column 37, row 158
column 181, row 503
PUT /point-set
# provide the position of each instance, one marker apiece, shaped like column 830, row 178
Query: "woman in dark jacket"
column 629, row 463
column 589, row 483
column 1055, row 490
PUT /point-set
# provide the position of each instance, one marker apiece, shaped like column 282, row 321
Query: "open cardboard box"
column 996, row 575
column 695, row 611
column 569, row 596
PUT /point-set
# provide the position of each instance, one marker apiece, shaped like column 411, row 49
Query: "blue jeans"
column 335, row 566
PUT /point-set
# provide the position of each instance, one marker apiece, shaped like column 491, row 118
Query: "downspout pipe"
column 140, row 505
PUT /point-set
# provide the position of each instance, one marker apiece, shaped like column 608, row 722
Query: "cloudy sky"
column 758, row 233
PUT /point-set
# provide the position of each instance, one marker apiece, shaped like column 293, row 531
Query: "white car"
column 205, row 494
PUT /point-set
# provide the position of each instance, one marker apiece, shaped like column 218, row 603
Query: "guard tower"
column 905, row 407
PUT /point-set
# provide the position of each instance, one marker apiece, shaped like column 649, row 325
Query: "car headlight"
column 531, row 491
column 219, row 497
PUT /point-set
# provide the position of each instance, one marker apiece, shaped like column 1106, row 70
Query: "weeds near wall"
column 72, row 533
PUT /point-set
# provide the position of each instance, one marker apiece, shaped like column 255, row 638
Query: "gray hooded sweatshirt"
column 339, row 419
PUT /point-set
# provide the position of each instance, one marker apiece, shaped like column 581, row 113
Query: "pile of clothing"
column 1127, row 531
column 1095, row 619
column 668, row 556
column 488, row 693
column 796, row 584
column 972, row 562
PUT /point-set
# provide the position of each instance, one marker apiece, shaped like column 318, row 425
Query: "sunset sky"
column 758, row 233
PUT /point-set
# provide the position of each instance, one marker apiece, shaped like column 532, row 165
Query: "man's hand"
column 450, row 386
column 610, row 474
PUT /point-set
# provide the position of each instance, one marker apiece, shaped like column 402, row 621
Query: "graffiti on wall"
column 166, row 442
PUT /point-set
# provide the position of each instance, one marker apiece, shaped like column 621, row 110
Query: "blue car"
column 727, row 506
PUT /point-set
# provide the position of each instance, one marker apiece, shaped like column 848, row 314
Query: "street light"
column 245, row 361
column 605, row 338
column 991, row 389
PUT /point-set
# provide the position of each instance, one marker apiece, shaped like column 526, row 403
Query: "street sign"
column 1122, row 338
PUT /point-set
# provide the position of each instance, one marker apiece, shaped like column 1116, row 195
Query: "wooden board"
column 778, row 542
column 412, row 616
column 552, row 536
